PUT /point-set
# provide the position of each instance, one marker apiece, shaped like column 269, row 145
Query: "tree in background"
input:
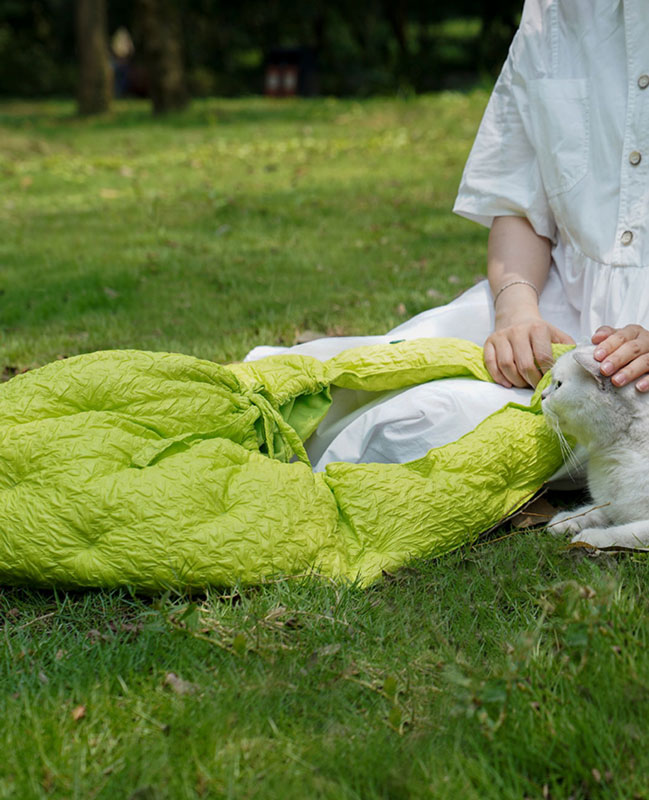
column 95, row 80
column 159, row 32
column 361, row 48
column 37, row 48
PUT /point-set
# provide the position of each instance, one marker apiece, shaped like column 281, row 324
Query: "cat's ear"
column 592, row 367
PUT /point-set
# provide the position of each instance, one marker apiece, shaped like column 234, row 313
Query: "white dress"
column 564, row 141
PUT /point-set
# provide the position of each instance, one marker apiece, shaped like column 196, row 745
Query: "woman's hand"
column 519, row 351
column 624, row 353
column 518, row 264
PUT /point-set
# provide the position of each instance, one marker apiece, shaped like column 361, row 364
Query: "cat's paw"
column 632, row 536
column 595, row 537
column 566, row 522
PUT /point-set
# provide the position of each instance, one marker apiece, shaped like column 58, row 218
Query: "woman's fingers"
column 637, row 368
column 624, row 354
column 491, row 363
column 602, row 333
column 507, row 361
column 609, row 345
column 541, row 338
column 615, row 340
column 621, row 357
column 557, row 335
column 524, row 357
column 517, row 355
column 504, row 359
column 643, row 384
column 628, row 362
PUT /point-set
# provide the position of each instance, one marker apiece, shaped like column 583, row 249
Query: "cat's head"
column 583, row 403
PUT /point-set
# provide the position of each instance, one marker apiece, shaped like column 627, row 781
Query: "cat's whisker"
column 572, row 463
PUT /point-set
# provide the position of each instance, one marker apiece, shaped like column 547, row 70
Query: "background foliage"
column 365, row 47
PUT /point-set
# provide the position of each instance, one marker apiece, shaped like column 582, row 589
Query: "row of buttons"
column 634, row 159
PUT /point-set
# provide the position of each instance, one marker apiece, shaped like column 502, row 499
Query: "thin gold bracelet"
column 513, row 283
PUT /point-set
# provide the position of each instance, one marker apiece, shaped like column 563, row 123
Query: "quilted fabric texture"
column 156, row 470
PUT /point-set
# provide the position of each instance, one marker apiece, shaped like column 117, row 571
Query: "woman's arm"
column 519, row 349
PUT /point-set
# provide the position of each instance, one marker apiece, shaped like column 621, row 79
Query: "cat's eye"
column 557, row 384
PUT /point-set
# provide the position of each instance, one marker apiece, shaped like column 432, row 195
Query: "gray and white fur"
column 612, row 424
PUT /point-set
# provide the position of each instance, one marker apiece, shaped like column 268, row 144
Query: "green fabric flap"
column 406, row 363
column 305, row 412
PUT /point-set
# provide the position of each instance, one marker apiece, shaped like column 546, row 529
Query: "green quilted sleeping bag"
column 159, row 470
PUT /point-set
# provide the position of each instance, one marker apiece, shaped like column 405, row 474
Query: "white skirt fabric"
column 399, row 426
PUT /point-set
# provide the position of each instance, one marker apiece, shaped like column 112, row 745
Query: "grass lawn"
column 237, row 223
column 512, row 669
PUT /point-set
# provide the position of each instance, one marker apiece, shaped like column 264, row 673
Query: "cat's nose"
column 545, row 393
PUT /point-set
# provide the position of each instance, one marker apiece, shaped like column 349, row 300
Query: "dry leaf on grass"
column 329, row 649
column 536, row 513
column 77, row 713
column 9, row 371
column 301, row 337
column 179, row 685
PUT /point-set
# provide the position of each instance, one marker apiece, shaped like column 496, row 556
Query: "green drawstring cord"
column 271, row 419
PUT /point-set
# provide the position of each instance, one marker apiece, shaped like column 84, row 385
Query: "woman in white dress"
column 560, row 173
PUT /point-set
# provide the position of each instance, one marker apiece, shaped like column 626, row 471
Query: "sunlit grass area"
column 511, row 669
column 238, row 223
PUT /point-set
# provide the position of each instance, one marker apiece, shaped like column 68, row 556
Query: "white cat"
column 612, row 424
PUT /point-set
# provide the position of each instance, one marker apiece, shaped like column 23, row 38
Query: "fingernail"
column 599, row 353
column 642, row 385
column 607, row 367
column 619, row 380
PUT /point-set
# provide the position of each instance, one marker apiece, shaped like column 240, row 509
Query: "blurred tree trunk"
column 397, row 16
column 95, row 86
column 161, row 45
